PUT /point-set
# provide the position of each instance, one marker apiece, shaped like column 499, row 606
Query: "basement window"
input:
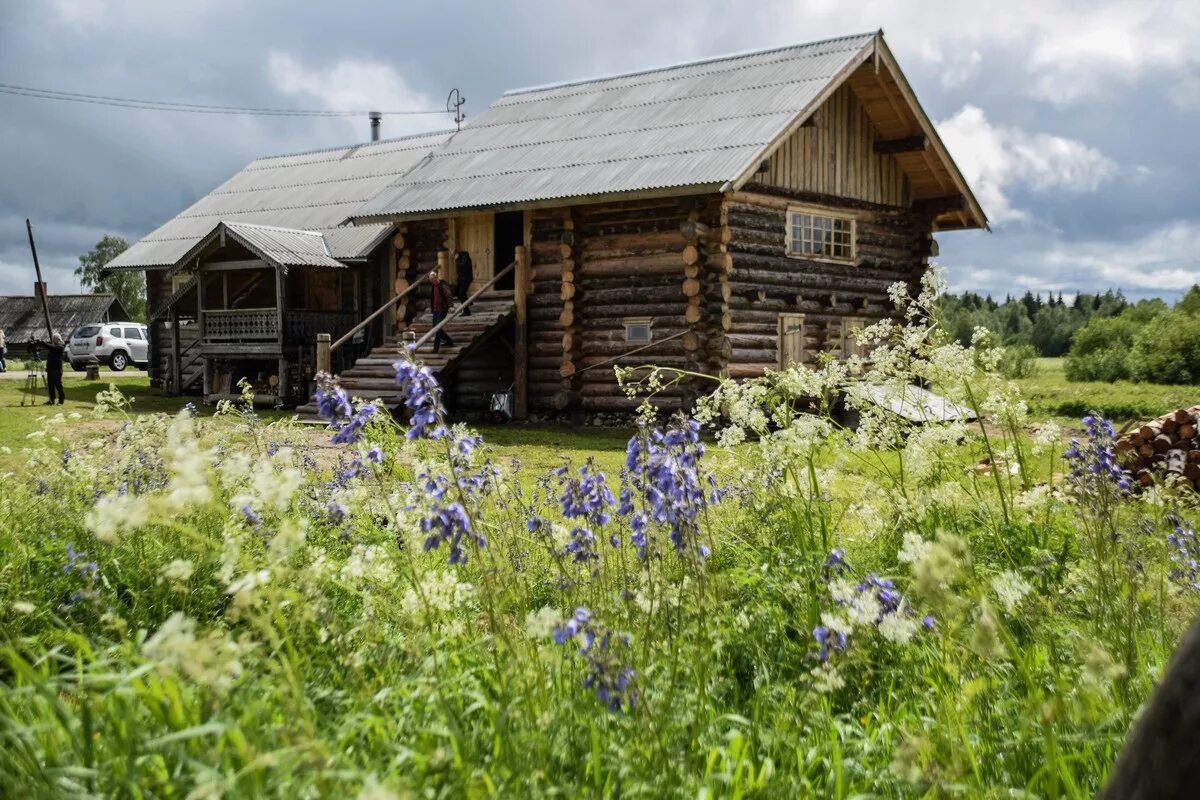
column 813, row 234
column 637, row 330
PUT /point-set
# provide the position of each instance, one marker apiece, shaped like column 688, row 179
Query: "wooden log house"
column 727, row 216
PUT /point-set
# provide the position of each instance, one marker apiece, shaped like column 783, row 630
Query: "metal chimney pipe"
column 376, row 118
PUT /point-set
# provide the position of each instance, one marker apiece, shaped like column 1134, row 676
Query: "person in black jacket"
column 54, row 369
column 440, row 301
column 463, row 275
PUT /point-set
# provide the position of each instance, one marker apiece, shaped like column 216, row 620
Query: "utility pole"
column 41, row 284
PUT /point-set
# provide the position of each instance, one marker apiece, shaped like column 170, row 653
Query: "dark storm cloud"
column 1083, row 137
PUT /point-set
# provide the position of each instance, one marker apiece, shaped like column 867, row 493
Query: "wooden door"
column 850, row 328
column 791, row 340
column 476, row 235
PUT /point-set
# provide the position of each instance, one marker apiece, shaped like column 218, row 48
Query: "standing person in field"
column 463, row 275
column 54, row 369
column 3, row 352
column 439, row 305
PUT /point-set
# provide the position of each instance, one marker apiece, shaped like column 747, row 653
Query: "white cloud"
column 1066, row 51
column 352, row 84
column 1163, row 261
column 996, row 159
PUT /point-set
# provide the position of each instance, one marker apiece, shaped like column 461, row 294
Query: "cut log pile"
column 1168, row 445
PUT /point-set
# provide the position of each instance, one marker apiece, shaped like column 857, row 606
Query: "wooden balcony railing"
column 240, row 324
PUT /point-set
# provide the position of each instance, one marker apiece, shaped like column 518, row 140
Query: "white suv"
column 113, row 343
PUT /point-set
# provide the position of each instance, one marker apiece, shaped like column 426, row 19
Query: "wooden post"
column 323, row 358
column 281, row 389
column 176, row 359
column 521, row 284
column 279, row 302
column 443, row 264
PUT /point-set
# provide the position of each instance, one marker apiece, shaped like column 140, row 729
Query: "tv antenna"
column 454, row 104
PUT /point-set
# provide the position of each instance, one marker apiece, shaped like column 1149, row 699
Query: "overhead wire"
column 193, row 108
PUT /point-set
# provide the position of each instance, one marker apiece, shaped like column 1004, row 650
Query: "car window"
column 87, row 331
column 114, row 332
column 133, row 333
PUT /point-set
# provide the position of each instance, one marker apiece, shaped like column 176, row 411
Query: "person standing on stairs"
column 440, row 300
column 463, row 275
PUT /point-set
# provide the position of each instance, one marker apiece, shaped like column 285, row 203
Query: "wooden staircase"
column 373, row 377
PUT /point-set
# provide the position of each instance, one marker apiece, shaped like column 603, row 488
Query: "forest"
column 1104, row 336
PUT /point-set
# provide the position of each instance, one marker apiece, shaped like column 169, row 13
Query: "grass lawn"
column 1049, row 393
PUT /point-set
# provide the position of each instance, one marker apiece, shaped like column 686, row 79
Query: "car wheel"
column 76, row 366
column 119, row 361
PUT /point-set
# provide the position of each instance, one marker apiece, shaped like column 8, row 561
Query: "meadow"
column 754, row 602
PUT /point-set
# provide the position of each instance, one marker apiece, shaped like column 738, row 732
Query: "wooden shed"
column 725, row 216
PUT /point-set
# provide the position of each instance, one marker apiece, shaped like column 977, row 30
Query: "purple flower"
column 1094, row 466
column 662, row 470
column 1185, row 557
column 422, row 397
column 607, row 675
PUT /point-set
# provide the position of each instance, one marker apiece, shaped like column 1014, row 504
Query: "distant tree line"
column 1104, row 336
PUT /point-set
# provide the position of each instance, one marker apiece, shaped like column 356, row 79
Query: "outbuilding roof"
column 314, row 191
column 22, row 317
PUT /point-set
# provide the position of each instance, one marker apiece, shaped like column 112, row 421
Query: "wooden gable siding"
column 891, row 246
column 836, row 156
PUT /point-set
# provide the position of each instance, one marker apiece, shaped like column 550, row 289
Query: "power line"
column 189, row 108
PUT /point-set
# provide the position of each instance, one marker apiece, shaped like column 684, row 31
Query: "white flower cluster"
column 114, row 515
column 187, row 464
column 1010, row 589
column 540, row 624
column 441, row 592
column 177, row 573
column 368, row 563
column 212, row 660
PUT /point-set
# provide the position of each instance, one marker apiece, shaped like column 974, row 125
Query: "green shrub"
column 1167, row 350
column 1100, row 350
column 1019, row 361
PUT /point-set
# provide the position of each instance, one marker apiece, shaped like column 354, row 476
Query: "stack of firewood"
column 1169, row 444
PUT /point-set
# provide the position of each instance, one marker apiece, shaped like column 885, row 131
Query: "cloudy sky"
column 1075, row 122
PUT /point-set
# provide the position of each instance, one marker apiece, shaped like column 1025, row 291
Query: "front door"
column 475, row 234
column 510, row 233
column 791, row 340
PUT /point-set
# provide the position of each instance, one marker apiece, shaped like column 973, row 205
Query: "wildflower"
column 23, row 607
column 450, row 524
column 177, row 573
column 1094, row 463
column 662, row 467
column 898, row 628
column 915, row 549
column 243, row 588
column 828, row 638
column 114, row 514
column 422, row 397
column 368, row 563
column 211, row 660
column 375, row 455
column 540, row 624
column 1010, row 589
column 374, row 790
column 1185, row 556
column 826, row 679
column 441, row 592
column 607, row 675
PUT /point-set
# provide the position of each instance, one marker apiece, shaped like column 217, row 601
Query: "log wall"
column 835, row 155
column 593, row 267
column 484, row 371
column 892, row 244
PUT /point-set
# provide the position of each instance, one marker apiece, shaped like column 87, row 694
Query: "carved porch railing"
column 240, row 324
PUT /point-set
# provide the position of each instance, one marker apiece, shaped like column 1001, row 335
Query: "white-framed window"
column 850, row 344
column 816, row 233
column 638, row 329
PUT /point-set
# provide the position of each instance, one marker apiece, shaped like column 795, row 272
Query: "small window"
column 637, row 330
column 86, row 332
column 133, row 333
column 114, row 332
column 815, row 235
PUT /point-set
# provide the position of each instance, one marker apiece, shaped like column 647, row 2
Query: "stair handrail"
column 464, row 304
column 174, row 297
column 375, row 314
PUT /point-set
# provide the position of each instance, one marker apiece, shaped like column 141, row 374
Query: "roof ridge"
column 259, row 225
column 693, row 63
column 356, row 146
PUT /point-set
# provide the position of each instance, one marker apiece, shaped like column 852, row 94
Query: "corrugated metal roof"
column 285, row 247
column 696, row 124
column 22, row 318
column 314, row 191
